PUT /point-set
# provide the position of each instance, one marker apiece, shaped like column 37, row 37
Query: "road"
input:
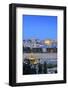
column 41, row 55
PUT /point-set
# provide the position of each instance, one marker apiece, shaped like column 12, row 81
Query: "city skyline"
column 39, row 27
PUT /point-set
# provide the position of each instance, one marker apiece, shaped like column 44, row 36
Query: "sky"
column 39, row 27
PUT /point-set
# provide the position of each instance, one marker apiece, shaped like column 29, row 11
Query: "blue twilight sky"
column 39, row 27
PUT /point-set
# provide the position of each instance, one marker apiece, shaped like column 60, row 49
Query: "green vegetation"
column 51, row 65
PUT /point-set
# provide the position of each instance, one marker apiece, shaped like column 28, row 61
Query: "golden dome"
column 48, row 42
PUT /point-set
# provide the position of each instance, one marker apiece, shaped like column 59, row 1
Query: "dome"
column 48, row 42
